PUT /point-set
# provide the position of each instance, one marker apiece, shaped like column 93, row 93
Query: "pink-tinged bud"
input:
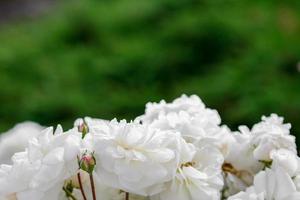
column 87, row 163
column 82, row 127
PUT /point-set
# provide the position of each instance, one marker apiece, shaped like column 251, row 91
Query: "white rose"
column 194, row 128
column 250, row 194
column 16, row 140
column 271, row 134
column 275, row 184
column 233, row 185
column 15, row 178
column 286, row 159
column 58, row 153
column 240, row 154
column 198, row 175
column 134, row 157
column 192, row 105
column 189, row 117
column 40, row 171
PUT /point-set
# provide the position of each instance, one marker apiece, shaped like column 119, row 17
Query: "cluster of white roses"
column 175, row 151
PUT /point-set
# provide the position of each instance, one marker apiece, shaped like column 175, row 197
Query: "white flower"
column 274, row 184
column 175, row 151
column 58, row 152
column 240, row 154
column 287, row 160
column 40, row 171
column 271, row 134
column 192, row 127
column 134, row 157
column 250, row 194
column 189, row 117
column 198, row 175
column 15, row 178
column 16, row 140
column 233, row 185
column 239, row 167
column 253, row 147
column 191, row 105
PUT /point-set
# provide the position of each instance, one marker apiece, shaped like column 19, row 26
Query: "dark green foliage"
column 108, row 58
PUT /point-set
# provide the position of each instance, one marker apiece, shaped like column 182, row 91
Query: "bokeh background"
column 60, row 60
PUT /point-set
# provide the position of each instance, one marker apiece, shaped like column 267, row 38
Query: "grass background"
column 108, row 58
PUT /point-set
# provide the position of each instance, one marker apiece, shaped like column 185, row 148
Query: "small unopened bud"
column 87, row 163
column 82, row 127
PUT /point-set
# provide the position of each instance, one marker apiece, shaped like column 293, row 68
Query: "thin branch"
column 80, row 185
column 93, row 186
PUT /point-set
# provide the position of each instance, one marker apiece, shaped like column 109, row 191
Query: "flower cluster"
column 174, row 151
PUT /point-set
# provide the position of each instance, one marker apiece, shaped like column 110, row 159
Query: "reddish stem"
column 93, row 186
column 80, row 185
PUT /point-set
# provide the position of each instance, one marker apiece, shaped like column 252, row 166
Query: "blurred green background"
column 108, row 58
